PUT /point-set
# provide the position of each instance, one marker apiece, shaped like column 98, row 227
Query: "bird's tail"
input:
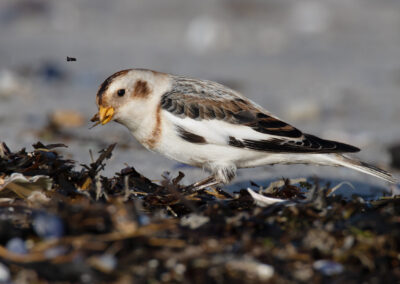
column 352, row 163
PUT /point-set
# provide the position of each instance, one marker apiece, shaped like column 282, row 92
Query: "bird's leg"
column 204, row 181
column 222, row 174
column 210, row 181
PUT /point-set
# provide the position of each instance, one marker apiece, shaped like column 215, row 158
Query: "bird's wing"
column 207, row 112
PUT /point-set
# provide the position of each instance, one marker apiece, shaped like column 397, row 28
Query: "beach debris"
column 16, row 245
column 5, row 274
column 194, row 221
column 47, row 226
column 65, row 118
column 23, row 186
column 73, row 224
column 328, row 267
column 12, row 84
column 252, row 269
column 263, row 201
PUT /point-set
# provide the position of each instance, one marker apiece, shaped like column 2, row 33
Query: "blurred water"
column 329, row 67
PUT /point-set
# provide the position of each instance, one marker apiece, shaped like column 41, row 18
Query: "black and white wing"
column 207, row 112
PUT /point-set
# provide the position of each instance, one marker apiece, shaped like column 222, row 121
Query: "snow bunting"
column 208, row 125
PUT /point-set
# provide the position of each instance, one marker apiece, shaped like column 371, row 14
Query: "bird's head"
column 124, row 89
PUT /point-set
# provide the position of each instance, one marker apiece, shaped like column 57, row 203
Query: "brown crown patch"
column 142, row 89
column 104, row 86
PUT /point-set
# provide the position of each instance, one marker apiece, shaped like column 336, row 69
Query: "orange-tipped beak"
column 105, row 114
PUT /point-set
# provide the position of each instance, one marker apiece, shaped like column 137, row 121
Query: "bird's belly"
column 211, row 155
column 203, row 155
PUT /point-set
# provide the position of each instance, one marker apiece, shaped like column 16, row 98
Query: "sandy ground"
column 331, row 68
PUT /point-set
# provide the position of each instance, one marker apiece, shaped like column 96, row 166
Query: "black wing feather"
column 310, row 144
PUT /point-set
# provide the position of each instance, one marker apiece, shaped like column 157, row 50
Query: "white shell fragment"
column 263, row 201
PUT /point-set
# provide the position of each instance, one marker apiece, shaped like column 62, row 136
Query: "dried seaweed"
column 125, row 228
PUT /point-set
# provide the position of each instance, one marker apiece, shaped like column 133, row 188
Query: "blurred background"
column 331, row 68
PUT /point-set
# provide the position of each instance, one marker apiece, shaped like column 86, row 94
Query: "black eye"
column 121, row 92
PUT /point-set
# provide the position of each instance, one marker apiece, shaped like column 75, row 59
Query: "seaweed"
column 80, row 226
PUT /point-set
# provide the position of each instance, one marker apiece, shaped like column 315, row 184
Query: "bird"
column 208, row 125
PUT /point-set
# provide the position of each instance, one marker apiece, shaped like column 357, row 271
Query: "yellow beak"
column 105, row 114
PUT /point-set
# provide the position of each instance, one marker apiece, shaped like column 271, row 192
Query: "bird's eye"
column 121, row 92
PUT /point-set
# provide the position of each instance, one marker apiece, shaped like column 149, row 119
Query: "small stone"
column 252, row 268
column 328, row 267
column 48, row 226
column 180, row 268
column 38, row 197
column 16, row 245
column 153, row 263
column 10, row 84
column 143, row 220
column 55, row 251
column 4, row 273
column 105, row 263
column 194, row 221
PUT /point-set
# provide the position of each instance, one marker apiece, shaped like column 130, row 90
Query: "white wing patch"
column 217, row 131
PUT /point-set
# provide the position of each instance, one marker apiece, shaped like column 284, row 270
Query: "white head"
column 127, row 88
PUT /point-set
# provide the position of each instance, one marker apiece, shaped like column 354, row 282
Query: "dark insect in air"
column 71, row 58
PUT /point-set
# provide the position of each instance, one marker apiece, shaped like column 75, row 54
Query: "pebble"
column 4, row 273
column 328, row 267
column 194, row 221
column 106, row 263
column 48, row 226
column 261, row 271
column 16, row 245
